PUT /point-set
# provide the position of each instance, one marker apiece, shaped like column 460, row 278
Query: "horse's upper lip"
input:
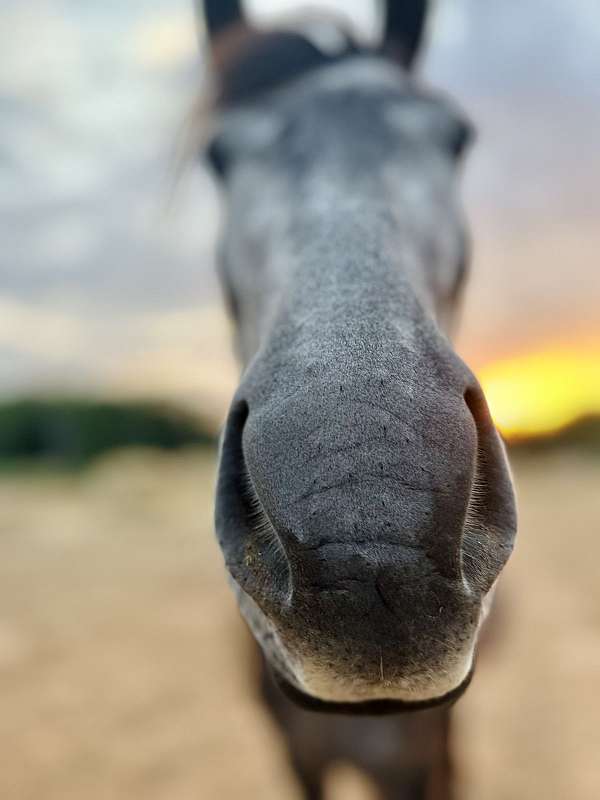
column 370, row 707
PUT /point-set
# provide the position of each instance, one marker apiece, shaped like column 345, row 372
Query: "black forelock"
column 267, row 61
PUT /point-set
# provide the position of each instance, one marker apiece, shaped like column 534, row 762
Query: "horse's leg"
column 404, row 786
column 426, row 773
column 300, row 731
column 310, row 780
column 426, row 785
column 441, row 777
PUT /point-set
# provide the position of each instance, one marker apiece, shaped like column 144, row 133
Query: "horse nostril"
column 253, row 551
column 490, row 519
column 477, row 405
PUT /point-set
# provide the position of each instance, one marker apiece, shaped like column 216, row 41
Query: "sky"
column 106, row 274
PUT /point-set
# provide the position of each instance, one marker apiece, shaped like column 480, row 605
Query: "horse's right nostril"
column 253, row 551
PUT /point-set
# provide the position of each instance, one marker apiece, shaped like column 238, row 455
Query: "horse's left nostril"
column 252, row 548
column 490, row 520
column 477, row 405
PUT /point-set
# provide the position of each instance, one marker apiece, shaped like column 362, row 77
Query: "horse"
column 364, row 503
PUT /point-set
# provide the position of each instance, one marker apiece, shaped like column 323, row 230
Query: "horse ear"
column 403, row 28
column 219, row 15
column 226, row 28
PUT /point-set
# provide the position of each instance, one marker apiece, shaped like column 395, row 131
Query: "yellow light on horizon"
column 541, row 392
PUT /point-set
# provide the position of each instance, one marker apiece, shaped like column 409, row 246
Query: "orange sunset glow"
column 540, row 392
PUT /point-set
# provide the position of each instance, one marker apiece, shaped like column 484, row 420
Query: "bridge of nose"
column 346, row 468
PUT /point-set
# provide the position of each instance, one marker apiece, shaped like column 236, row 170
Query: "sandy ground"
column 124, row 669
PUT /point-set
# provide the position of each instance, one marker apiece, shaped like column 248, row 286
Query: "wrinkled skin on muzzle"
column 364, row 502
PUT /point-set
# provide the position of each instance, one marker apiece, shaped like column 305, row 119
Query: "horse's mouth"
column 370, row 707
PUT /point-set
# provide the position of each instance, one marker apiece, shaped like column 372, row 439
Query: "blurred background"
column 124, row 670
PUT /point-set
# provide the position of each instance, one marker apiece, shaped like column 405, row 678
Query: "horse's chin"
column 370, row 707
column 327, row 693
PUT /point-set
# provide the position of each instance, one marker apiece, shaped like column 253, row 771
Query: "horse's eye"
column 460, row 135
column 217, row 156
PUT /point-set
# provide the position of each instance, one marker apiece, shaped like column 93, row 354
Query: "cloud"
column 363, row 15
column 27, row 69
column 182, row 355
column 168, row 40
column 39, row 331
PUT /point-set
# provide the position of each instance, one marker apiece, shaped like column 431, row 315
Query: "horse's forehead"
column 361, row 72
column 367, row 82
column 367, row 107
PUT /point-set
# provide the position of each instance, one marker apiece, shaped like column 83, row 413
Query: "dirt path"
column 123, row 663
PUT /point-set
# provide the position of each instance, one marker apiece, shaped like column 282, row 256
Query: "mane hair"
column 249, row 62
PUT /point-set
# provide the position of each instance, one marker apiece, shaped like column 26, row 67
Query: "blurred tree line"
column 73, row 431
column 583, row 435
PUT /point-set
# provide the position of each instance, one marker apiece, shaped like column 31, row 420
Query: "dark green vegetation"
column 582, row 435
column 71, row 432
